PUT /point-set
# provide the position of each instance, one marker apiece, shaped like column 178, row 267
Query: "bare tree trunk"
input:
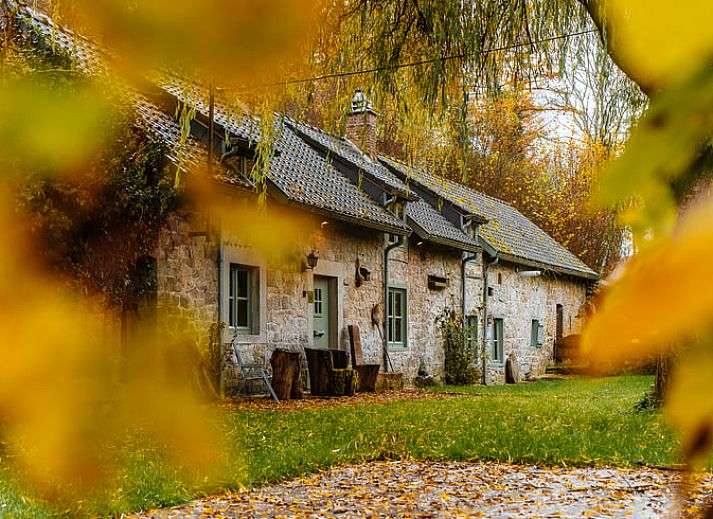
column 664, row 364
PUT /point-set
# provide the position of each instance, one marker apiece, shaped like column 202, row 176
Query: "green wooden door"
column 322, row 313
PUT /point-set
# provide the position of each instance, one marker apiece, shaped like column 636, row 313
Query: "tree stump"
column 343, row 382
column 318, row 364
column 286, row 374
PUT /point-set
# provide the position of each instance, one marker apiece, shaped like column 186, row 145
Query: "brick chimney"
column 361, row 124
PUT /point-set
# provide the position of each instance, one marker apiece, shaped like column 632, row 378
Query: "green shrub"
column 460, row 358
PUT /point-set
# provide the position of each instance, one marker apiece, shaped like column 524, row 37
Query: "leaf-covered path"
column 450, row 489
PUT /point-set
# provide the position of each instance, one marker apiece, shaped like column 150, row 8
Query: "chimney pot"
column 361, row 124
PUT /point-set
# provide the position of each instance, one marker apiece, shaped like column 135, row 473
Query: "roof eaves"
column 426, row 236
column 586, row 274
column 280, row 196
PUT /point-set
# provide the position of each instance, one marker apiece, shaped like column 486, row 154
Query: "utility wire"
column 409, row 64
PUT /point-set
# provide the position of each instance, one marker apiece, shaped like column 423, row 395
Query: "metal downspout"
column 483, row 357
column 387, row 250
column 466, row 259
column 221, row 387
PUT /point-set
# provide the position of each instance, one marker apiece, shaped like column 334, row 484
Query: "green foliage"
column 92, row 227
column 460, row 357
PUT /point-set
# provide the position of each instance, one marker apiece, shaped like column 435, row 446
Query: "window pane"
column 241, row 297
column 318, row 302
column 242, row 313
column 243, row 282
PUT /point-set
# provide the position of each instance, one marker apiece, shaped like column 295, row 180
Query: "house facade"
column 345, row 237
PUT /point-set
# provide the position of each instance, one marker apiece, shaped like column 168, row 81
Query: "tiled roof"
column 422, row 217
column 300, row 173
column 92, row 60
column 306, row 177
column 349, row 152
column 508, row 231
column 297, row 170
column 425, row 219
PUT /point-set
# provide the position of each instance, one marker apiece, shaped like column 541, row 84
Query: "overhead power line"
column 409, row 64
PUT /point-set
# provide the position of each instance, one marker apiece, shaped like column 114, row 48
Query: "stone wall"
column 188, row 276
column 518, row 300
column 410, row 268
column 186, row 268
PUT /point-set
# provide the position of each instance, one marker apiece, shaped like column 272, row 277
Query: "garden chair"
column 251, row 371
column 367, row 371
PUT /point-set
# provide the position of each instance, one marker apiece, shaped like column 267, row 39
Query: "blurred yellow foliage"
column 50, row 128
column 236, row 42
column 662, row 41
column 660, row 297
column 663, row 302
column 66, row 389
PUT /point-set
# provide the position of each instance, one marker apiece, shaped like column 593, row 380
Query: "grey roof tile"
column 306, row 177
column 437, row 226
column 189, row 154
column 508, row 231
column 346, row 150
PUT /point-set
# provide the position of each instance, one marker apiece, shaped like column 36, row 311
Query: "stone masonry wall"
column 410, row 268
column 186, row 269
column 518, row 300
column 188, row 281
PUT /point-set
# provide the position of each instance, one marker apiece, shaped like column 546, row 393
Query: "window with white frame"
column 537, row 334
column 397, row 318
column 243, row 299
column 498, row 340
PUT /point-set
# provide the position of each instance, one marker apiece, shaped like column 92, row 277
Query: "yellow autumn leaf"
column 661, row 40
column 689, row 402
column 659, row 297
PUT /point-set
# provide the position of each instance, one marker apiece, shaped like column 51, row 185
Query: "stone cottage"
column 347, row 237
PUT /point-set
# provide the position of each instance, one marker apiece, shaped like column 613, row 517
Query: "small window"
column 318, row 302
column 392, row 239
column 498, row 340
column 490, row 291
column 397, row 315
column 242, row 298
column 500, row 279
column 471, row 332
column 537, row 334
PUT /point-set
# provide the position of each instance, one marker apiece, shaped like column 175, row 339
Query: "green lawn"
column 563, row 422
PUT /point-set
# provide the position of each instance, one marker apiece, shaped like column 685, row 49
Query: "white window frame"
column 251, row 299
column 498, row 340
column 537, row 333
column 402, row 317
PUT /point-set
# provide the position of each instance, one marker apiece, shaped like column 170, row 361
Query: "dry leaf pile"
column 451, row 489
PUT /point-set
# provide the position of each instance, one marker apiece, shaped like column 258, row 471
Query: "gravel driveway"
column 450, row 489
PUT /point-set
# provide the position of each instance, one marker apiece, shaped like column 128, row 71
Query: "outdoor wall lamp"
column 311, row 263
column 530, row 273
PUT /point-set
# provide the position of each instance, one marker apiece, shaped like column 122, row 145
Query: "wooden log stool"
column 325, row 378
column 286, row 374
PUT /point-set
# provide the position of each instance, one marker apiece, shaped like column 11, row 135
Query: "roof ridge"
column 473, row 190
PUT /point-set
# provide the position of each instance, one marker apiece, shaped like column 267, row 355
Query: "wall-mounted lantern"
column 311, row 261
column 530, row 273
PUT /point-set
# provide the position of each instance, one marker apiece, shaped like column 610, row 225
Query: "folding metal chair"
column 252, row 371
